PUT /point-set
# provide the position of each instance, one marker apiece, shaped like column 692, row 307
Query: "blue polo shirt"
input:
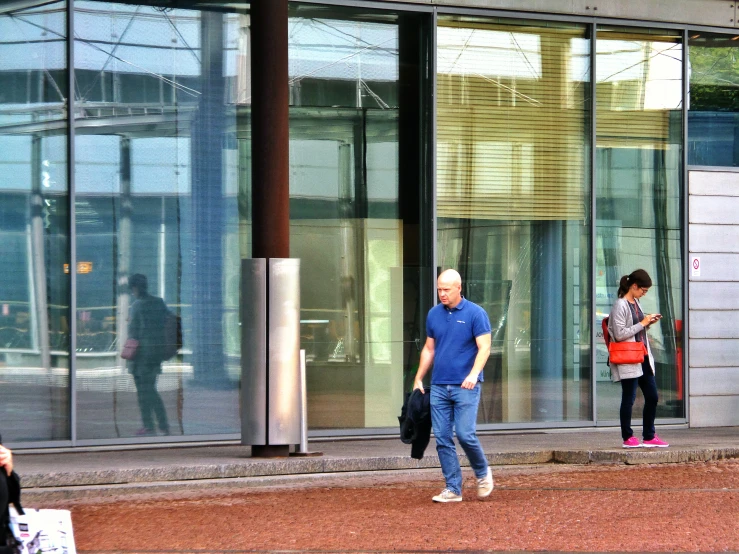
column 454, row 332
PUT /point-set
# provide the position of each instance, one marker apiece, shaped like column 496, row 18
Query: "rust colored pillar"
column 270, row 144
column 269, row 121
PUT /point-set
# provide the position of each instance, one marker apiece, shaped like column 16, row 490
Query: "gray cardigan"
column 621, row 328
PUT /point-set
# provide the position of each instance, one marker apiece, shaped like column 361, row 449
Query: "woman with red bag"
column 628, row 323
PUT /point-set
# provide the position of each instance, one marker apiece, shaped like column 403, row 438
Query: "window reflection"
column 713, row 116
column 512, row 202
column 34, row 222
column 348, row 126
column 160, row 158
column 165, row 191
column 163, row 188
column 639, row 184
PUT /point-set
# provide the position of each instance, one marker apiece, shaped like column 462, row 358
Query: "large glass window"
column 713, row 116
column 163, row 190
column 513, row 205
column 161, row 109
column 34, row 222
column 638, row 202
column 355, row 135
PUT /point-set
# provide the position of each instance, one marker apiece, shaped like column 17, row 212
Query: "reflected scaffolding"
column 513, row 206
column 34, row 224
column 162, row 104
column 357, row 101
column 639, row 188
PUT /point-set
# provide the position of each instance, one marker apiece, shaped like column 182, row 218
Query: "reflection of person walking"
column 458, row 345
column 628, row 323
column 146, row 325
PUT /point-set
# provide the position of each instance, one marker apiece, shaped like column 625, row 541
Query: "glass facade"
column 513, row 207
column 356, row 104
column 158, row 173
column 639, row 209
column 713, row 112
column 34, row 224
column 484, row 144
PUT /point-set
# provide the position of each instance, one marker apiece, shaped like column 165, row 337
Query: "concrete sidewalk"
column 64, row 474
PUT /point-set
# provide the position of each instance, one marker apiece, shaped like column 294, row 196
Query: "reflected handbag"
column 129, row 349
column 626, row 352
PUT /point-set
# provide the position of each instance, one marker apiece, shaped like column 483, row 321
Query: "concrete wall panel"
column 718, row 381
column 713, row 352
column 713, row 296
column 721, row 210
column 714, row 325
column 714, row 238
column 714, row 411
column 714, row 183
column 713, row 299
column 717, row 267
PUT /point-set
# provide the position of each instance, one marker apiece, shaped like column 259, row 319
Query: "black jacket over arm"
column 415, row 422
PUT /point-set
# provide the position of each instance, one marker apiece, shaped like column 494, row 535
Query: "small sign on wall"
column 695, row 266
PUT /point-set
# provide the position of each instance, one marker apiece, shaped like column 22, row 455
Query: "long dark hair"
column 639, row 276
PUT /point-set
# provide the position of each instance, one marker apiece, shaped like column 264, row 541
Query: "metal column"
column 270, row 239
column 270, row 355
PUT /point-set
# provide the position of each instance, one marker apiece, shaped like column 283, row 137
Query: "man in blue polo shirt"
column 457, row 345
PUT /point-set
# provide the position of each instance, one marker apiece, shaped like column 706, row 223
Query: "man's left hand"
column 470, row 382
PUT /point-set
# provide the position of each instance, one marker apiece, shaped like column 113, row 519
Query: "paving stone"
column 206, row 464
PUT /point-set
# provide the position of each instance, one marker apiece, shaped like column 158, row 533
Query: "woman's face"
column 637, row 291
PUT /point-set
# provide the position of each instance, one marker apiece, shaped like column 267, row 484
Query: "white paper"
column 42, row 531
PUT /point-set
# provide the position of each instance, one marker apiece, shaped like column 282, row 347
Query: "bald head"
column 450, row 276
column 449, row 287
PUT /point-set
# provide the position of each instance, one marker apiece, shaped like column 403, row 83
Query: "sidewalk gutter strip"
column 234, row 474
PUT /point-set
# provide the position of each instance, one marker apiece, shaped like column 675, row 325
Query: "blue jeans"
column 648, row 386
column 454, row 409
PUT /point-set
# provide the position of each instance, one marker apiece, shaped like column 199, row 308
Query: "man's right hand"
column 418, row 384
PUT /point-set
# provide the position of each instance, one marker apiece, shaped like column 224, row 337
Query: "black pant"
column 3, row 508
column 648, row 386
column 5, row 532
column 150, row 403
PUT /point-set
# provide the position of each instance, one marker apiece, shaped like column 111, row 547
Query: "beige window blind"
column 513, row 126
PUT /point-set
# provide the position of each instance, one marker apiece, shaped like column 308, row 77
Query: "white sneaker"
column 447, row 496
column 485, row 485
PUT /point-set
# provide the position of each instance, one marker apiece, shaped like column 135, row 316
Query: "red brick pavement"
column 659, row 508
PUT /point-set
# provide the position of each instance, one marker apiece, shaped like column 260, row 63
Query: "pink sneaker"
column 656, row 442
column 632, row 442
